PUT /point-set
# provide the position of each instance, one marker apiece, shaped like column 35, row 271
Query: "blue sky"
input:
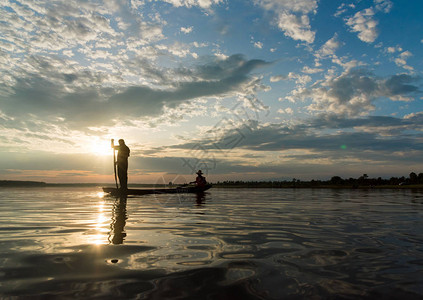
column 252, row 90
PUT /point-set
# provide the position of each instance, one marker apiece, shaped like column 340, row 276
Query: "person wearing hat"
column 200, row 180
column 122, row 163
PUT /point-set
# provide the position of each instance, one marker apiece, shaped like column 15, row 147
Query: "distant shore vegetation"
column 412, row 181
column 24, row 183
column 19, row 183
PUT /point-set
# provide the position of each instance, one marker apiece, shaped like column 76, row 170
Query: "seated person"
column 200, row 180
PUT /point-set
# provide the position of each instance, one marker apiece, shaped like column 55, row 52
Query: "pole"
column 114, row 163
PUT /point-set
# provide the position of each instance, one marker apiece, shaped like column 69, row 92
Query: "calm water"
column 229, row 244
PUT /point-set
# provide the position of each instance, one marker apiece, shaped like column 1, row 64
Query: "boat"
column 178, row 190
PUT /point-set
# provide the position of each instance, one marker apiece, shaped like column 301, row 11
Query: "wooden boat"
column 179, row 189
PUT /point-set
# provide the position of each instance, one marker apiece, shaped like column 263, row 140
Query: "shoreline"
column 246, row 185
column 398, row 187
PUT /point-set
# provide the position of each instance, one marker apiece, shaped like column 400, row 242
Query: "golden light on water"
column 100, row 235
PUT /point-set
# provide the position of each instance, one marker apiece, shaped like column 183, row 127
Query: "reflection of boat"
column 179, row 189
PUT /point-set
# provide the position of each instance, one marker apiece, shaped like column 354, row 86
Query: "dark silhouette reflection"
column 200, row 198
column 117, row 227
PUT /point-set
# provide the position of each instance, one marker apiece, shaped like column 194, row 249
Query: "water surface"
column 226, row 244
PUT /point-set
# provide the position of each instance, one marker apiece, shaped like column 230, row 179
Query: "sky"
column 241, row 89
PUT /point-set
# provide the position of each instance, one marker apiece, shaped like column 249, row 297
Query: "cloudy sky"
column 242, row 89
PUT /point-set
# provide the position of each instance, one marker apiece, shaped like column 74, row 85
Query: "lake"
column 227, row 244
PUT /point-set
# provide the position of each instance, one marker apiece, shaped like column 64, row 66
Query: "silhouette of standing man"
column 122, row 163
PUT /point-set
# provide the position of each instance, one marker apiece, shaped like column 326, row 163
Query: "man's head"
column 121, row 142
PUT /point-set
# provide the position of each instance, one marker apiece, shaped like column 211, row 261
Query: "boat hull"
column 188, row 189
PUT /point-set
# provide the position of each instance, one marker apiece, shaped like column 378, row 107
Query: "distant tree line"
column 413, row 178
column 19, row 183
column 364, row 180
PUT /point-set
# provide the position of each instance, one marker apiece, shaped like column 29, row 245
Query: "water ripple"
column 233, row 244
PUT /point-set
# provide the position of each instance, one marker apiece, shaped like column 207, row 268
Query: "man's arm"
column 112, row 143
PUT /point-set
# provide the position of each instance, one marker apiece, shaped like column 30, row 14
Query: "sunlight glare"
column 100, row 227
column 100, row 147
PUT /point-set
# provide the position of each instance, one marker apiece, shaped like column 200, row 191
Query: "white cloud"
column 71, row 95
column 403, row 63
column 180, row 50
column 330, row 46
column 199, row 45
column 401, row 59
column 205, row 4
column 354, row 92
column 258, row 45
column 220, row 55
column 299, row 79
column 122, row 24
column 364, row 23
column 340, row 10
column 328, row 49
column 150, row 33
column 291, row 17
column 391, row 49
column 302, row 6
column 187, row 30
column 383, row 5
column 414, row 115
column 343, row 8
column 278, row 78
column 406, row 54
column 288, row 111
column 309, row 70
column 346, row 63
column 78, row 27
column 296, row 27
column 289, row 99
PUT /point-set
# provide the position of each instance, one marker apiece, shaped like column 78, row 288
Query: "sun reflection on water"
column 100, row 231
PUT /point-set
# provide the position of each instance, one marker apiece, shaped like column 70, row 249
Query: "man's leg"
column 123, row 175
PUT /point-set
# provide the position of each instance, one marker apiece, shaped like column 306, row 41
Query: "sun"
column 100, row 147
